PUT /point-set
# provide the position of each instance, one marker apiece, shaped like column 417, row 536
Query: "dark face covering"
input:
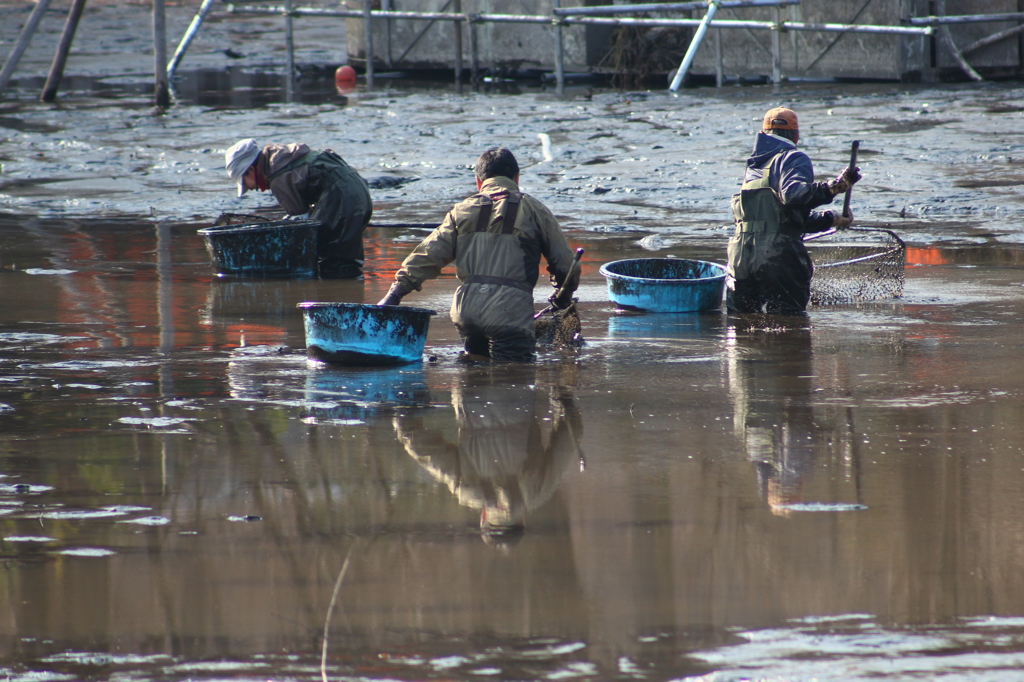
column 261, row 182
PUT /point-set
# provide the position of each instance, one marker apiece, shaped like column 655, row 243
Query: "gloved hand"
column 840, row 221
column 301, row 216
column 395, row 295
column 560, row 302
column 844, row 181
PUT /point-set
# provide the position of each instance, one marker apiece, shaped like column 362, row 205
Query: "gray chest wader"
column 768, row 263
column 493, row 309
column 508, row 244
column 757, row 210
column 341, row 202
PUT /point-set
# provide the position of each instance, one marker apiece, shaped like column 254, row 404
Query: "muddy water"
column 832, row 498
column 184, row 495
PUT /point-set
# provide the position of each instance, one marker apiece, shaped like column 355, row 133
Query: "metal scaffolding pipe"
column 186, row 40
column 289, row 46
column 854, row 28
column 993, row 39
column 594, row 21
column 691, row 51
column 457, row 30
column 776, row 48
column 515, row 19
column 368, row 25
column 561, row 17
column 761, row 25
column 474, row 54
column 966, row 19
column 559, row 53
column 668, row 7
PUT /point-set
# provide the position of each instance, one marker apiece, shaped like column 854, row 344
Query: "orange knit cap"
column 780, row 118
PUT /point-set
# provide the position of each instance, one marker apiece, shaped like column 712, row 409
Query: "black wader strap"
column 484, row 219
column 511, row 210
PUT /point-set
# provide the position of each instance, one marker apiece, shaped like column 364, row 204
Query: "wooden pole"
column 61, row 57
column 23, row 40
column 162, row 93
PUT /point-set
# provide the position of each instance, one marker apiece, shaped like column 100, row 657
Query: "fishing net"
column 856, row 264
column 559, row 329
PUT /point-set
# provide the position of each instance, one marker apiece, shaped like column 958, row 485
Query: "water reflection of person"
column 503, row 449
column 770, row 385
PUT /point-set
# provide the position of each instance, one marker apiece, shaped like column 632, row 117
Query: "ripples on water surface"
column 692, row 497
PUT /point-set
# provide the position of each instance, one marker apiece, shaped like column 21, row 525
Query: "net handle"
column 818, row 235
column 853, row 164
column 878, row 229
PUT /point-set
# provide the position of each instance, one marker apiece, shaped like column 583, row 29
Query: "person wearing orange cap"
column 769, row 267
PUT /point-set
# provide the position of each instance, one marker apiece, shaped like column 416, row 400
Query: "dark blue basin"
column 284, row 248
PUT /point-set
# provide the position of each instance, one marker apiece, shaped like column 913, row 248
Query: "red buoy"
column 345, row 74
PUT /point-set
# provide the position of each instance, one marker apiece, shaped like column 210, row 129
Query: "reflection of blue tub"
column 284, row 248
column 665, row 285
column 356, row 393
column 362, row 334
column 657, row 326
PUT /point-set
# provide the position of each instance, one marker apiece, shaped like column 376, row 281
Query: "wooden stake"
column 162, row 94
column 23, row 41
column 63, row 48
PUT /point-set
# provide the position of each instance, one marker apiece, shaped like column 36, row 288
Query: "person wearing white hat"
column 318, row 183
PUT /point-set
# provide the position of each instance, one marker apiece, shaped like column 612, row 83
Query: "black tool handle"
column 853, row 164
column 575, row 264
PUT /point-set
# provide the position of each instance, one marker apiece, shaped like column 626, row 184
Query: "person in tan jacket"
column 317, row 183
column 496, row 239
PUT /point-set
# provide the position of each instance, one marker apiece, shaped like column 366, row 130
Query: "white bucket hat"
column 237, row 160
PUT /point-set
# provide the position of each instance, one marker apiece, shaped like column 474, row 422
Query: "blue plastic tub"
column 363, row 334
column 665, row 285
column 283, row 248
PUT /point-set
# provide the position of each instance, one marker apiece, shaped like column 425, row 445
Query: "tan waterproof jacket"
column 496, row 259
column 288, row 187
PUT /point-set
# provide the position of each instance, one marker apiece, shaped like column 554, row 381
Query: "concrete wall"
column 745, row 53
column 501, row 47
column 813, row 54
